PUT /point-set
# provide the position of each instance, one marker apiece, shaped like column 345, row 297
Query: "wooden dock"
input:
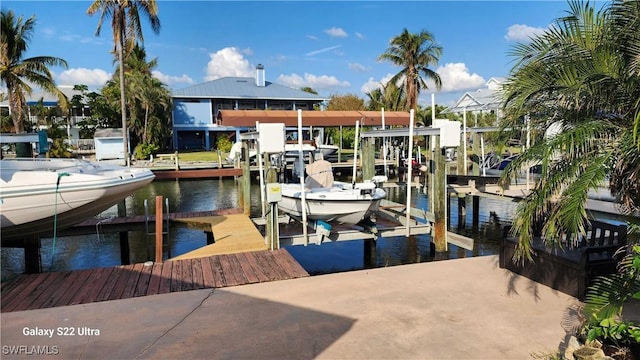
column 46, row 290
column 232, row 233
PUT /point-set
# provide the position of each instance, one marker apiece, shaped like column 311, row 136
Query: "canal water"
column 102, row 249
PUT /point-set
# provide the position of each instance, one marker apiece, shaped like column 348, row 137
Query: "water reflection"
column 103, row 249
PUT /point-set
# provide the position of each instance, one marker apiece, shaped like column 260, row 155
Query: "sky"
column 330, row 46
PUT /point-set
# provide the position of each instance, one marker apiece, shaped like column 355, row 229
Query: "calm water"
column 102, row 249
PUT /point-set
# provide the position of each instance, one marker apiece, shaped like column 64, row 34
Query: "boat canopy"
column 319, row 175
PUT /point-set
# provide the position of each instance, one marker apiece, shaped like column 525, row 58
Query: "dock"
column 233, row 233
column 54, row 289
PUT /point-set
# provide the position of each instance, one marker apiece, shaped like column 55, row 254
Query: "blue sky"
column 330, row 46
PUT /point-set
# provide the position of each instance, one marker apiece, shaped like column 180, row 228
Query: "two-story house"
column 195, row 108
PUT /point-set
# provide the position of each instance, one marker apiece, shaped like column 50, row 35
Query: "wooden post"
column 440, row 201
column 369, row 254
column 124, row 236
column 462, row 211
column 476, row 211
column 475, row 159
column 272, row 220
column 368, row 159
column 246, row 180
column 32, row 256
column 175, row 154
column 159, row 223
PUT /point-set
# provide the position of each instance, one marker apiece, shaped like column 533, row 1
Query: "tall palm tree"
column 127, row 32
column 18, row 72
column 580, row 76
column 414, row 53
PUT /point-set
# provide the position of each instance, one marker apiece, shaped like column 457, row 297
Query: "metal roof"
column 244, row 88
column 489, row 98
column 248, row 118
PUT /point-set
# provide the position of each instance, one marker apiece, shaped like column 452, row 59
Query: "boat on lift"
column 329, row 200
column 37, row 195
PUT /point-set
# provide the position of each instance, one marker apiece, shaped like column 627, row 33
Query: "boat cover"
column 319, row 175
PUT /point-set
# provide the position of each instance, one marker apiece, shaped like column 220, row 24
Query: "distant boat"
column 329, row 200
column 35, row 192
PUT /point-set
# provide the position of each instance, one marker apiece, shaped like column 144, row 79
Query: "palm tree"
column 18, row 72
column 414, row 53
column 127, row 31
column 390, row 96
column 583, row 75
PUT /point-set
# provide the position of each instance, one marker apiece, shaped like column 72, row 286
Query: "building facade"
column 195, row 109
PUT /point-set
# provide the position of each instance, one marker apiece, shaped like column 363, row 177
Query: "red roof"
column 240, row 118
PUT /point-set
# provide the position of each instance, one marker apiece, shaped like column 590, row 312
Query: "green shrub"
column 143, row 151
column 223, row 143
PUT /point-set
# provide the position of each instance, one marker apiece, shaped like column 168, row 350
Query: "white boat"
column 329, row 200
column 35, row 192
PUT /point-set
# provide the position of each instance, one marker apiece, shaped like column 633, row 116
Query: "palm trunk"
column 123, row 107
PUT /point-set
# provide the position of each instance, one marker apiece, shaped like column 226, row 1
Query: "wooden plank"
column 54, row 280
column 132, row 281
column 143, row 280
column 61, row 290
column 218, row 273
column 248, row 270
column 121, row 284
column 10, row 295
column 165, row 278
column 272, row 260
column 289, row 263
column 110, row 284
column 6, row 286
column 186, row 277
column 92, row 287
column 229, row 275
column 236, row 268
column 176, row 275
column 256, row 266
column 155, row 279
column 196, row 268
column 75, row 286
column 264, row 261
column 207, row 273
column 23, row 296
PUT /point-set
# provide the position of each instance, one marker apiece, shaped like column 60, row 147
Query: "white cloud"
column 372, row 84
column 172, row 80
column 358, row 67
column 247, row 51
column 322, row 82
column 83, row 76
column 228, row 62
column 523, row 33
column 316, row 52
column 313, row 37
column 359, row 35
column 455, row 77
column 336, row 32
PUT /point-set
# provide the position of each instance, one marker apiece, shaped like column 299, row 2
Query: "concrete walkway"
column 454, row 309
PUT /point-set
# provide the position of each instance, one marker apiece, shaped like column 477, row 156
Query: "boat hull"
column 36, row 195
column 337, row 204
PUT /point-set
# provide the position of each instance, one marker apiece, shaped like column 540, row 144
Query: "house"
column 196, row 108
column 487, row 99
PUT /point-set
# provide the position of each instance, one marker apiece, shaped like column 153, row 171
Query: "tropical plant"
column 389, row 96
column 605, row 300
column 127, row 32
column 580, row 75
column 19, row 73
column 414, row 53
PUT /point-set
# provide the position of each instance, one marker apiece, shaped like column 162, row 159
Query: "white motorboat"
column 329, row 200
column 35, row 193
